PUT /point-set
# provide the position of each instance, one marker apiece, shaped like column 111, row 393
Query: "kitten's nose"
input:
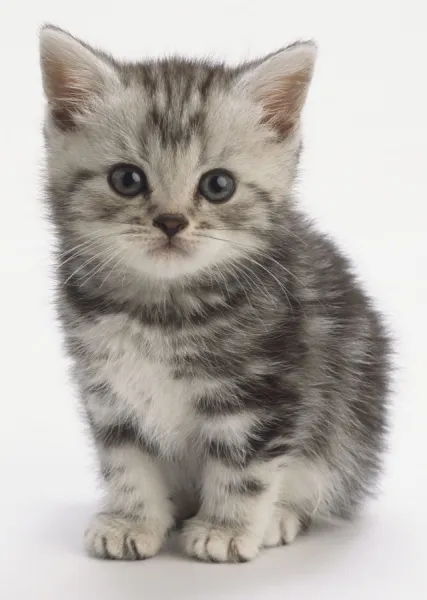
column 170, row 224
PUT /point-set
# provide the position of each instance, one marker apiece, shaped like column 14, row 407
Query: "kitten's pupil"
column 218, row 183
column 130, row 178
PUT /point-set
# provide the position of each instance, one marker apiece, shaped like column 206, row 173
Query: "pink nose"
column 170, row 224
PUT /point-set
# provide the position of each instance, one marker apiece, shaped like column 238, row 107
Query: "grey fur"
column 245, row 376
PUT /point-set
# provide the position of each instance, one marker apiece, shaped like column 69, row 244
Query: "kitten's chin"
column 172, row 264
column 169, row 251
column 169, row 265
column 168, row 262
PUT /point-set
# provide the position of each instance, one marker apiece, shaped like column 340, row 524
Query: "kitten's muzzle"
column 170, row 224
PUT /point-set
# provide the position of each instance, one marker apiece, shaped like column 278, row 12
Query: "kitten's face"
column 165, row 169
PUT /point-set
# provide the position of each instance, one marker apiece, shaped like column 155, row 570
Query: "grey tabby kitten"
column 233, row 373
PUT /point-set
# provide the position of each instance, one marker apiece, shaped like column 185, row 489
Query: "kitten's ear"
column 280, row 84
column 73, row 74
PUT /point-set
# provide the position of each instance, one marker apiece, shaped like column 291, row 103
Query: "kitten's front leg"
column 237, row 505
column 138, row 513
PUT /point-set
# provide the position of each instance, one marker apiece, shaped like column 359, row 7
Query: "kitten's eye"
column 217, row 185
column 127, row 180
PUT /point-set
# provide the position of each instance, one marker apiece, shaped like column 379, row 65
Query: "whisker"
column 262, row 289
column 83, row 248
column 262, row 253
column 275, row 278
column 91, row 236
column 287, row 231
column 225, row 281
column 247, row 296
column 88, row 240
column 91, row 259
column 256, row 263
column 99, row 268
column 116, row 264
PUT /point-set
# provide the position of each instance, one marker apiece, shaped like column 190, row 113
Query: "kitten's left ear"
column 280, row 84
column 73, row 74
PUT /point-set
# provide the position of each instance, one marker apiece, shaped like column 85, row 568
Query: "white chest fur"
column 136, row 363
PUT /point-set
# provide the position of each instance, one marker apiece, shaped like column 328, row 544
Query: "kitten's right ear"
column 73, row 74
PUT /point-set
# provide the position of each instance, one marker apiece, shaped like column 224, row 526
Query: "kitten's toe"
column 207, row 542
column 283, row 529
column 118, row 538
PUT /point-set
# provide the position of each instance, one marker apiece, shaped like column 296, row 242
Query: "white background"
column 363, row 177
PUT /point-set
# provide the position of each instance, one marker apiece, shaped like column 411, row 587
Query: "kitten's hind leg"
column 308, row 489
column 285, row 525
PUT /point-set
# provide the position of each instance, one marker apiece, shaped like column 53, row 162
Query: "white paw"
column 283, row 529
column 117, row 538
column 208, row 542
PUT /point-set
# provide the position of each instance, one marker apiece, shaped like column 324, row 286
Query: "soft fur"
column 235, row 378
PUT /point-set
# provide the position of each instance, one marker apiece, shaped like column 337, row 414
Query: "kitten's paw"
column 283, row 529
column 208, row 542
column 117, row 538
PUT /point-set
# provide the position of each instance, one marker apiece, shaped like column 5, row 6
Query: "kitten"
column 233, row 373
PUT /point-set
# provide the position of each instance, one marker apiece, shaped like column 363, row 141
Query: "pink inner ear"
column 66, row 93
column 283, row 100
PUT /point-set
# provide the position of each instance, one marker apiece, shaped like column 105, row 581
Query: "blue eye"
column 127, row 180
column 217, row 186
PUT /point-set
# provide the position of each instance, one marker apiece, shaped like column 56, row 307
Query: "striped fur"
column 237, row 377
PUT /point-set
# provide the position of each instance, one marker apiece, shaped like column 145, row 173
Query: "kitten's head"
column 169, row 168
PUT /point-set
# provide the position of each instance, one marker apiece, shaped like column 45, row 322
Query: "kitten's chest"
column 139, row 368
column 163, row 407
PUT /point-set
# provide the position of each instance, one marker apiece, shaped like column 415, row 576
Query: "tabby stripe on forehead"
column 207, row 84
column 168, row 86
column 149, row 81
column 189, row 86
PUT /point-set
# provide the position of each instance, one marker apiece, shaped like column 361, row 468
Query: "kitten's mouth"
column 169, row 247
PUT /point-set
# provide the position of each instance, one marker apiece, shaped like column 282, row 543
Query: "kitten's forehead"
column 164, row 111
column 178, row 102
column 177, row 95
column 174, row 114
